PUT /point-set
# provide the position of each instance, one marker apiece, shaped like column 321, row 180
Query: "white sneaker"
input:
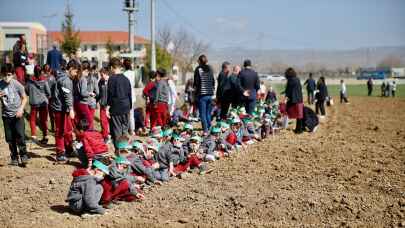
column 315, row 129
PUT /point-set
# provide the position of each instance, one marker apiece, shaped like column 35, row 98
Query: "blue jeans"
column 205, row 108
column 250, row 105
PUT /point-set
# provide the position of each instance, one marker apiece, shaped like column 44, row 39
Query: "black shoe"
column 44, row 141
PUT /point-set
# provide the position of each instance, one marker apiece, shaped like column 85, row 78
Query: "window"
column 85, row 48
column 13, row 35
column 94, row 47
column 138, row 47
column 118, row 47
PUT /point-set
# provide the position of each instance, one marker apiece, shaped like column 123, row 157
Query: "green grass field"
column 352, row 90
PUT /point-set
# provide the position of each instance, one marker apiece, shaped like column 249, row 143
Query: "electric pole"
column 152, row 35
column 130, row 6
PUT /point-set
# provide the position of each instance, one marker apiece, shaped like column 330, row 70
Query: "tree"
column 110, row 48
column 185, row 49
column 71, row 40
column 163, row 59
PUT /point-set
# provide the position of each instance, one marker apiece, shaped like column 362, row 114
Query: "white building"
column 35, row 35
column 93, row 44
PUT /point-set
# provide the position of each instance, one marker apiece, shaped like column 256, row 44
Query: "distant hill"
column 307, row 58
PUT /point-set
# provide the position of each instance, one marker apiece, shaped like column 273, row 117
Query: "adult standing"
column 236, row 91
column 249, row 81
column 370, row 85
column 13, row 100
column 321, row 96
column 343, row 92
column 295, row 105
column 119, row 101
column 20, row 59
column 190, row 97
column 311, row 86
column 54, row 57
column 224, row 89
column 130, row 75
column 173, row 95
column 204, row 85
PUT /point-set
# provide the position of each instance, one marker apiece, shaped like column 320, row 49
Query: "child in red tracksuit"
column 102, row 100
column 120, row 185
column 82, row 95
column 160, row 115
column 149, row 93
column 38, row 91
column 92, row 144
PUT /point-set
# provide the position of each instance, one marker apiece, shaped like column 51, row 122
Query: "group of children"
column 170, row 151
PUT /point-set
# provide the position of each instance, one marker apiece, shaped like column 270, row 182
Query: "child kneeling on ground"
column 91, row 146
column 85, row 190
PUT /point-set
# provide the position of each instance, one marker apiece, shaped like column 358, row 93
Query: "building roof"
column 101, row 37
column 35, row 25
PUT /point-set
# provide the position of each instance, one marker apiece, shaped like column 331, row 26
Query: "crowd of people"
column 70, row 93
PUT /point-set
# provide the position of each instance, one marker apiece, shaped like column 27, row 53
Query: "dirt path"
column 351, row 172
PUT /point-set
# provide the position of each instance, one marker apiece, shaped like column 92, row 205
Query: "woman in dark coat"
column 321, row 96
column 295, row 105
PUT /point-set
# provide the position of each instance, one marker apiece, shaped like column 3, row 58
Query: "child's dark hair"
column 152, row 74
column 7, row 68
column 290, row 73
column 115, row 63
column 83, row 125
column 85, row 65
column 73, row 64
column 37, row 71
column 127, row 64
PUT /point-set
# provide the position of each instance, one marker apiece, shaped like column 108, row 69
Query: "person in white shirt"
column 130, row 74
column 172, row 96
column 343, row 92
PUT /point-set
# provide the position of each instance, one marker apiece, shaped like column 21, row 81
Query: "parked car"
column 272, row 77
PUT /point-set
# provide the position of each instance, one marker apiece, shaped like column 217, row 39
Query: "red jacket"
column 93, row 143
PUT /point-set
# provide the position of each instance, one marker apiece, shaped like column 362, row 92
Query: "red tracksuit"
column 160, row 115
column 192, row 162
column 120, row 192
column 82, row 111
column 43, row 119
column 149, row 107
column 105, row 126
column 63, row 131
column 93, row 143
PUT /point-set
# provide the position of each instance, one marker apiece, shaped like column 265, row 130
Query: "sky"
column 253, row 24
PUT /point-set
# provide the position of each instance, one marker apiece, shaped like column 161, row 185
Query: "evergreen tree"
column 71, row 40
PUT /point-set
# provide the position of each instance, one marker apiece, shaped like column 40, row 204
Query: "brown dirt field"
column 349, row 173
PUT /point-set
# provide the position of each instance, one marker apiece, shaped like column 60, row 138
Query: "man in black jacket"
column 249, row 80
column 224, row 89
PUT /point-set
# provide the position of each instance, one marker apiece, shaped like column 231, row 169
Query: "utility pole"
column 130, row 6
column 152, row 35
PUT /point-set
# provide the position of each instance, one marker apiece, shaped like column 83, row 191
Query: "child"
column 92, row 145
column 139, row 122
column 194, row 155
column 92, row 88
column 62, row 106
column 38, row 91
column 13, row 100
column 180, row 114
column 102, row 99
column 212, row 145
column 163, row 155
column 240, row 133
column 120, row 185
column 182, row 162
column 149, row 94
column 136, row 157
column 160, row 112
column 85, row 190
column 271, row 95
column 261, row 93
column 82, row 96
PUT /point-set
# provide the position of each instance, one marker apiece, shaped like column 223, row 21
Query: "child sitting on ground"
column 85, row 190
column 180, row 114
column 166, row 168
column 120, row 184
column 213, row 146
column 91, row 144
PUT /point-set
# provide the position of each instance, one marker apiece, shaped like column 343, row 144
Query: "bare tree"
column 185, row 48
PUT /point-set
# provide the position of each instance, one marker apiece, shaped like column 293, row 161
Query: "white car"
column 274, row 77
